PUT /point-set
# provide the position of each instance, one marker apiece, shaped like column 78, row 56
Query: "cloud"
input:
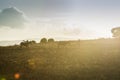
column 12, row 17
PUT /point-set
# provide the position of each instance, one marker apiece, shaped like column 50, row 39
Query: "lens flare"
column 17, row 76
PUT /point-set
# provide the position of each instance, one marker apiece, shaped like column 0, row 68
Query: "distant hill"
column 13, row 42
column 8, row 43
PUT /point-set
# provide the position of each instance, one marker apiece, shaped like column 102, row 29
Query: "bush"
column 116, row 32
column 43, row 40
column 50, row 40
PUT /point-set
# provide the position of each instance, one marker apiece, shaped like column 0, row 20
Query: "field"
column 78, row 60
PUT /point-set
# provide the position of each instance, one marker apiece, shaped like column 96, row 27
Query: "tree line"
column 27, row 43
column 115, row 33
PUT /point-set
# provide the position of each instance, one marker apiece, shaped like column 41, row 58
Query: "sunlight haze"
column 60, row 19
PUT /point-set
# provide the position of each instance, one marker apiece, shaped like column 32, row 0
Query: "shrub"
column 43, row 40
column 50, row 40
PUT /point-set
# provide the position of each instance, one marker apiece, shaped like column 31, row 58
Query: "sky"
column 59, row 19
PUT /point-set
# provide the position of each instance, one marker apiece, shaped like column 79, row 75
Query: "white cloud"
column 12, row 17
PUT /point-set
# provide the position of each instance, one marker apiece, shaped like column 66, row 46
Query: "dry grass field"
column 72, row 60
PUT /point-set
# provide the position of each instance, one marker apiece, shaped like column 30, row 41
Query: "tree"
column 43, row 40
column 25, row 43
column 33, row 42
column 116, row 32
column 50, row 40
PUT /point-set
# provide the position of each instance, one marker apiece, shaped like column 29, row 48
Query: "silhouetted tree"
column 33, row 42
column 43, row 40
column 50, row 40
column 27, row 43
column 24, row 43
column 116, row 32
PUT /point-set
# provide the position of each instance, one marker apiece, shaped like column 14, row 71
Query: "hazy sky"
column 60, row 19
